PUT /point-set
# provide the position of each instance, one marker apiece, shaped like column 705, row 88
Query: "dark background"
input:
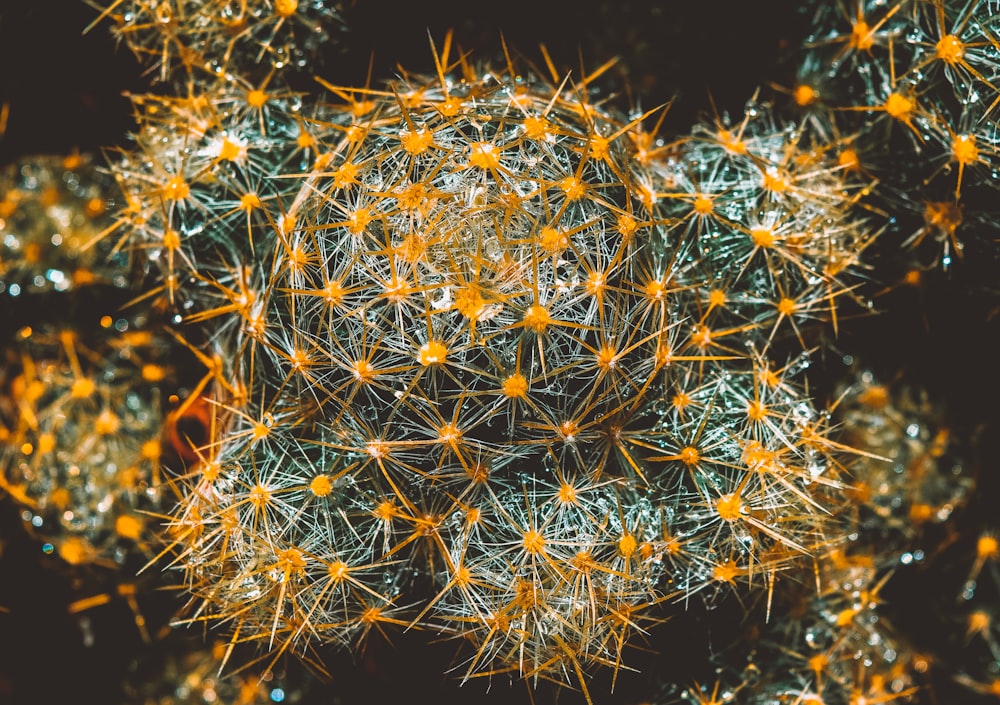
column 65, row 90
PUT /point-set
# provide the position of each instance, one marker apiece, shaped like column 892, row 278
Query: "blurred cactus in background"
column 53, row 213
column 82, row 450
column 199, row 34
column 481, row 355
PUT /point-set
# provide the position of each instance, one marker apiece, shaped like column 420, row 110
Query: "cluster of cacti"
column 480, row 355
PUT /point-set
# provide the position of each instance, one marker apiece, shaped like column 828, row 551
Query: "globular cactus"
column 506, row 370
column 918, row 477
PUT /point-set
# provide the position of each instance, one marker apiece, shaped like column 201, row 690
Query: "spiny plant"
column 209, row 35
column 504, row 371
column 916, row 507
column 920, row 75
column 830, row 637
column 922, row 478
column 182, row 670
column 976, row 622
column 768, row 206
column 197, row 186
column 488, row 358
column 828, row 643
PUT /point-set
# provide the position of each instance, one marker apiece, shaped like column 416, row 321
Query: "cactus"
column 199, row 35
column 53, row 212
column 502, row 340
column 82, row 444
column 484, row 359
column 920, row 76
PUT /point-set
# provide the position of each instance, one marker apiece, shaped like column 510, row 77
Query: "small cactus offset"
column 82, row 450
